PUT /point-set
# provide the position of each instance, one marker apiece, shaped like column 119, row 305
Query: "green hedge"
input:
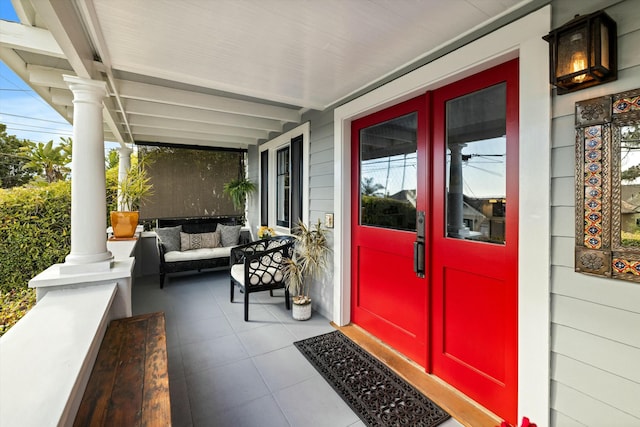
column 387, row 212
column 35, row 225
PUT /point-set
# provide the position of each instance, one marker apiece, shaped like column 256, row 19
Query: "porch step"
column 129, row 384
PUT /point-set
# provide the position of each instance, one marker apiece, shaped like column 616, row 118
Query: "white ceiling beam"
column 153, row 133
column 204, row 128
column 178, row 112
column 110, row 117
column 29, row 39
column 25, row 11
column 147, row 92
column 51, row 77
column 188, row 141
column 67, row 29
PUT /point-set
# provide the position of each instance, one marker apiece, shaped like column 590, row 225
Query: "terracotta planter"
column 124, row 224
column 301, row 311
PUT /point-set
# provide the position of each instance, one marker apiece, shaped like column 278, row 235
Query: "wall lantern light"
column 583, row 52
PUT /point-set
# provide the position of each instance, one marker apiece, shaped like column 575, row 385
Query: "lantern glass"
column 572, row 64
column 583, row 52
column 604, row 43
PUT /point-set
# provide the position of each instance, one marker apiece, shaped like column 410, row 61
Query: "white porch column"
column 88, row 197
column 124, row 163
column 455, row 196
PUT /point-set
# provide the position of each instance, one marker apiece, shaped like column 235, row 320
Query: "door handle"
column 418, row 258
column 418, row 246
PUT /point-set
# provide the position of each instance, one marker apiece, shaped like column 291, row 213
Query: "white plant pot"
column 301, row 311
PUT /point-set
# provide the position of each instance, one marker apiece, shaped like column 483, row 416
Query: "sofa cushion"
column 199, row 240
column 197, row 254
column 170, row 237
column 229, row 234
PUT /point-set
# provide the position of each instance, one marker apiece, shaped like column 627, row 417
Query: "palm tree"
column 369, row 188
column 48, row 160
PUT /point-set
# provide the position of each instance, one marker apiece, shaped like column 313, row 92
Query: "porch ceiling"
column 226, row 73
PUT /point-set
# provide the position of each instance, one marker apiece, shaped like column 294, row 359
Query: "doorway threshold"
column 462, row 408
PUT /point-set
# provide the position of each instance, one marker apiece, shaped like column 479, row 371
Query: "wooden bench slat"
column 126, row 396
column 156, row 406
column 129, row 384
column 95, row 401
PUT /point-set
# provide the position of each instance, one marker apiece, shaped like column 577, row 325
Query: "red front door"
column 388, row 188
column 475, row 237
column 460, row 320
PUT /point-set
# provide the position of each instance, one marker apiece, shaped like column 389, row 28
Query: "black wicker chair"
column 257, row 267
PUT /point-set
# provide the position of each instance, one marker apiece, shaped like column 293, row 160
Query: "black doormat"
column 376, row 393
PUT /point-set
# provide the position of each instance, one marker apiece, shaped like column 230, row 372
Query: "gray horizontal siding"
column 610, row 356
column 595, row 329
column 586, row 410
column 321, row 146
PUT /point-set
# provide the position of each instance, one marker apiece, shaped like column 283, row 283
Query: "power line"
column 28, row 91
column 42, row 131
column 34, row 118
column 33, row 126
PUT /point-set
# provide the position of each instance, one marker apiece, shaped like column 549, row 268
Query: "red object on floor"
column 525, row 423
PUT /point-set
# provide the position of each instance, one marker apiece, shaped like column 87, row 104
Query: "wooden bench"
column 129, row 384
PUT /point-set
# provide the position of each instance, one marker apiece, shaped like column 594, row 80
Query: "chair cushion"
column 229, row 234
column 257, row 277
column 170, row 237
column 190, row 241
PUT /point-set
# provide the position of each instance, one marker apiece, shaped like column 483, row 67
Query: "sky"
column 26, row 115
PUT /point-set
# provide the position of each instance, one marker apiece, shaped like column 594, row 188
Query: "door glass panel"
column 476, row 165
column 388, row 179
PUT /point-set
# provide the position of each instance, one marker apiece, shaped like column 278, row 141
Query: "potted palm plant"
column 132, row 190
column 308, row 261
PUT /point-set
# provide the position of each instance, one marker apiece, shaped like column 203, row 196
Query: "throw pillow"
column 199, row 240
column 170, row 237
column 229, row 234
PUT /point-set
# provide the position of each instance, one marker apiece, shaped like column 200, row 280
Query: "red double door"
column 435, row 233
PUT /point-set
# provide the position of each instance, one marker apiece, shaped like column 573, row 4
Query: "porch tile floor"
column 227, row 372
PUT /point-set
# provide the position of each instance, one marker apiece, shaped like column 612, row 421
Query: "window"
column 283, row 191
column 283, row 182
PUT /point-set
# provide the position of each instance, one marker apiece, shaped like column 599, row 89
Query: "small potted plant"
column 132, row 190
column 308, row 262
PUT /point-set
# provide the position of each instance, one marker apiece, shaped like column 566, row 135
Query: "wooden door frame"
column 521, row 39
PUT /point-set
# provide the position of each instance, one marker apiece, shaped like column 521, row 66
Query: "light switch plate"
column 328, row 220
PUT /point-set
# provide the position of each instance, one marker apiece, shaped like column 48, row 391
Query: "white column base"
column 90, row 267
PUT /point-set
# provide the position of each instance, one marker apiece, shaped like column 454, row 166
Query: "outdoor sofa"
column 190, row 244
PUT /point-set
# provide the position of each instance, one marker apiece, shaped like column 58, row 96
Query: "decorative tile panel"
column 593, row 187
column 600, row 249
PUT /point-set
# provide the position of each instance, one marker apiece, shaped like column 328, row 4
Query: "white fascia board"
column 212, row 142
column 152, row 134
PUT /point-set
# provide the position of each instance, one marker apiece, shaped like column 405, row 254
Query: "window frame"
column 271, row 148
